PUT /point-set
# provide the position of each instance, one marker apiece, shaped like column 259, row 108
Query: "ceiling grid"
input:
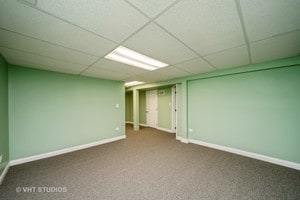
column 239, row 10
column 193, row 36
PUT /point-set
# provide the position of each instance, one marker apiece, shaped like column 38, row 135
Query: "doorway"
column 129, row 107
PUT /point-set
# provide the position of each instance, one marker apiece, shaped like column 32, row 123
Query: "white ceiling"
column 193, row 36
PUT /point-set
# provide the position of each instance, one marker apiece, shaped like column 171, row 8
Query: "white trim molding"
column 2, row 176
column 152, row 126
column 178, row 137
column 128, row 122
column 165, row 129
column 63, row 151
column 184, row 140
column 181, row 139
column 269, row 159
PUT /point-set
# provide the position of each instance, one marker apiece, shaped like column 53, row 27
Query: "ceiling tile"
column 118, row 67
column 205, row 26
column 18, row 57
column 158, row 44
column 33, row 2
column 277, row 47
column 151, row 7
column 114, row 19
column 149, row 77
column 172, row 72
column 229, row 58
column 20, row 42
column 57, row 35
column 162, row 74
column 31, row 22
column 25, row 63
column 267, row 18
column 195, row 66
column 99, row 72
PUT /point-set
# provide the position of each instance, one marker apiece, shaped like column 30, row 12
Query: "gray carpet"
column 150, row 164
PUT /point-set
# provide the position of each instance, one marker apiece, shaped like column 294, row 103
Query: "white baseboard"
column 249, row 154
column 152, row 126
column 2, row 176
column 63, row 151
column 178, row 137
column 164, row 129
column 183, row 140
column 145, row 125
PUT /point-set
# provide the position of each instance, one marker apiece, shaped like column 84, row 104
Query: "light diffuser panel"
column 132, row 83
column 130, row 57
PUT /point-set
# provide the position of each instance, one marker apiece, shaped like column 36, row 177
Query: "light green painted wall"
column 142, row 109
column 129, row 106
column 4, row 135
column 179, row 129
column 182, row 93
column 182, row 115
column 164, row 108
column 256, row 111
column 49, row 111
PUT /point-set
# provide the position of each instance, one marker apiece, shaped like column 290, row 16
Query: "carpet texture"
column 150, row 164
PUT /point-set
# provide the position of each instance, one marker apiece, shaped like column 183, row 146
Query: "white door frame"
column 174, row 110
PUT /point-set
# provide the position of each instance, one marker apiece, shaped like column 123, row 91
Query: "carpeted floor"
column 150, row 164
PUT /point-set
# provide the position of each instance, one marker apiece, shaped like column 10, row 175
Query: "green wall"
column 129, row 107
column 179, row 127
column 142, row 107
column 276, row 97
column 49, row 111
column 4, row 141
column 165, row 108
column 255, row 111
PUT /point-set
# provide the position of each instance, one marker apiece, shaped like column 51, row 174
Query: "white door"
column 151, row 108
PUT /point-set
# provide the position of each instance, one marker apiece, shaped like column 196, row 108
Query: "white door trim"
column 174, row 110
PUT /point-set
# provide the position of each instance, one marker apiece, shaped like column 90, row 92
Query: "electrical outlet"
column 117, row 105
column 117, row 129
column 0, row 158
column 191, row 130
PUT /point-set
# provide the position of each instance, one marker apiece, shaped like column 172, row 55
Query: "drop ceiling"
column 193, row 36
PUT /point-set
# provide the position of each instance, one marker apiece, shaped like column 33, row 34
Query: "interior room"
column 133, row 99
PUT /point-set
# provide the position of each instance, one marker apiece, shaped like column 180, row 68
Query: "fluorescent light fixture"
column 132, row 83
column 130, row 57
